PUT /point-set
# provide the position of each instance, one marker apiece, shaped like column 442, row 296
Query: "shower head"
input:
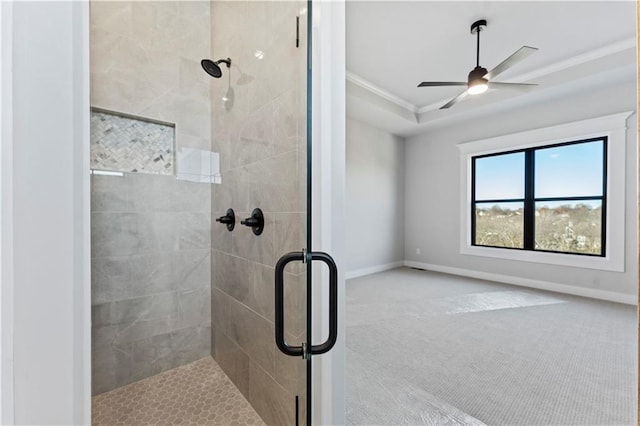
column 212, row 67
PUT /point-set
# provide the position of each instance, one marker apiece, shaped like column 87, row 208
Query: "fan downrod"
column 478, row 26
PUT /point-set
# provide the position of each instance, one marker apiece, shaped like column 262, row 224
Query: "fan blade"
column 460, row 97
column 518, row 56
column 441, row 83
column 516, row 86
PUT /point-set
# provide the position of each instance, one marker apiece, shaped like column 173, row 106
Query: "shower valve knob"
column 228, row 219
column 256, row 221
column 250, row 221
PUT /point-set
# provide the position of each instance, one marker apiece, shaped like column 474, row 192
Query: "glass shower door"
column 261, row 279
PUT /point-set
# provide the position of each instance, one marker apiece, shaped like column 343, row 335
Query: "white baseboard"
column 526, row 282
column 373, row 269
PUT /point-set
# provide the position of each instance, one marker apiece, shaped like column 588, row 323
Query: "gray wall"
column 433, row 185
column 374, row 204
column 150, row 245
column 151, row 234
column 261, row 141
column 145, row 61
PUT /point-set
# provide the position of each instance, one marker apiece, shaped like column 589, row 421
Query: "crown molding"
column 610, row 49
column 367, row 85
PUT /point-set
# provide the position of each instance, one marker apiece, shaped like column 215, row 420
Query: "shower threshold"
column 197, row 393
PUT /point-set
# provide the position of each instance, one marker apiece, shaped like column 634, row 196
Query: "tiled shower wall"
column 151, row 277
column 145, row 61
column 150, row 243
column 261, row 140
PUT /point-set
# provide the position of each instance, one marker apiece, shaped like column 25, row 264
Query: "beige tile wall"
column 145, row 61
column 151, row 245
column 151, row 276
column 262, row 145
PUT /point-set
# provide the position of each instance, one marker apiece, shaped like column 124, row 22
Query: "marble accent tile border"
column 127, row 143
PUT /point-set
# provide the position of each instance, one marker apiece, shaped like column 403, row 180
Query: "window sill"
column 560, row 259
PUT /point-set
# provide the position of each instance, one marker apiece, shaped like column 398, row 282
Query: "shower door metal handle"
column 333, row 303
column 284, row 347
column 279, row 304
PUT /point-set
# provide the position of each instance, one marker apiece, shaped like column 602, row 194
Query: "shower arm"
column 225, row 61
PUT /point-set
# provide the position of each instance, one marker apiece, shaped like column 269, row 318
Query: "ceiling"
column 392, row 46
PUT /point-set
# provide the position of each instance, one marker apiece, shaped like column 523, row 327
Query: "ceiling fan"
column 479, row 79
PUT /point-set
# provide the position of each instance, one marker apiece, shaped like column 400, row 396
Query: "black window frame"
column 529, row 200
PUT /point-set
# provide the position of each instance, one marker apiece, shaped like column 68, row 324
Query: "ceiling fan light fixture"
column 477, row 87
column 476, row 83
column 479, row 78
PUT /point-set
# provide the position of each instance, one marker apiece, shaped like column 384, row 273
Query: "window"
column 528, row 206
column 547, row 198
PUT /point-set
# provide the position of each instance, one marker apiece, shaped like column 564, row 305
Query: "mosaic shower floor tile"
column 195, row 394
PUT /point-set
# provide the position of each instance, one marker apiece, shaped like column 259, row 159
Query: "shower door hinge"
column 297, row 31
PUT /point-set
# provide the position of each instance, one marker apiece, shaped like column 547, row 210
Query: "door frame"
column 328, row 188
column 45, row 265
column 6, row 214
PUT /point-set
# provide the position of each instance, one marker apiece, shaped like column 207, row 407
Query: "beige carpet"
column 431, row 348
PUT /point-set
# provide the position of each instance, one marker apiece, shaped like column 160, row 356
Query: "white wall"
column 6, row 301
column 374, row 204
column 48, row 190
column 328, row 196
column 432, row 190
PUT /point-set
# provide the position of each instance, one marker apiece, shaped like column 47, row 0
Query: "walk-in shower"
column 183, row 307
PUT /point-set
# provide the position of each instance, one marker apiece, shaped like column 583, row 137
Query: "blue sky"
column 500, row 177
column 570, row 170
column 565, row 171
